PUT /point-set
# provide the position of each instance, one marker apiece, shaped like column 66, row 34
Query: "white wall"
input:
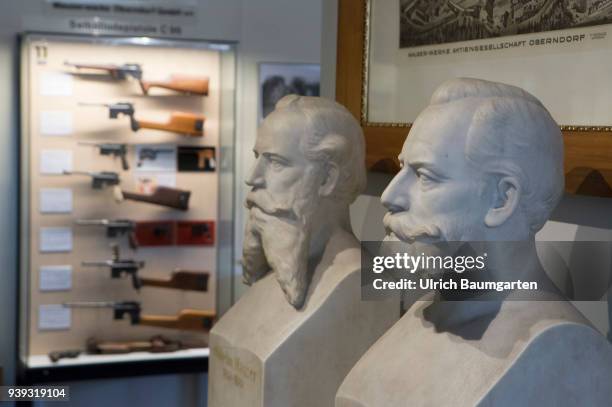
column 272, row 31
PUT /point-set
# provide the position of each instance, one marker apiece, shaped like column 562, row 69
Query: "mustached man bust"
column 483, row 163
column 300, row 327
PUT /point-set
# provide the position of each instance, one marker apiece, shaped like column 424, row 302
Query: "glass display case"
column 127, row 197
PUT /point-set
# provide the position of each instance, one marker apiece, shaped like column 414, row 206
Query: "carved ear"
column 330, row 179
column 507, row 197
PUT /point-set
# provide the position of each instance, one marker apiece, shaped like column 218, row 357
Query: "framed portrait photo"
column 393, row 54
column 279, row 79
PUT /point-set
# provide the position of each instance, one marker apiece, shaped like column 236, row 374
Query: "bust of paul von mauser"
column 482, row 163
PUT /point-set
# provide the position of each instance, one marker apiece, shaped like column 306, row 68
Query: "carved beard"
column 415, row 238
column 277, row 238
column 441, row 239
column 401, row 226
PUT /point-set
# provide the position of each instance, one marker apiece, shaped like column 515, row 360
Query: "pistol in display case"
column 120, row 267
column 187, row 84
column 113, row 149
column 186, row 280
column 117, row 72
column 157, row 232
column 152, row 153
column 99, row 180
column 189, row 124
column 187, row 319
column 114, row 228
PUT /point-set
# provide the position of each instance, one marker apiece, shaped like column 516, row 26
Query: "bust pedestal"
column 526, row 353
column 265, row 353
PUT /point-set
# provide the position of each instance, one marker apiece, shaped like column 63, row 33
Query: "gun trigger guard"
column 133, row 241
column 136, row 281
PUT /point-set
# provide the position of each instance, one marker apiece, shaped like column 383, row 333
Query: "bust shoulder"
column 562, row 364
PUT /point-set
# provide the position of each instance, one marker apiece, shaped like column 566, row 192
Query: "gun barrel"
column 93, row 222
column 106, row 222
column 122, row 264
column 94, row 104
column 92, row 66
column 96, row 263
column 90, row 304
column 66, row 172
column 106, row 145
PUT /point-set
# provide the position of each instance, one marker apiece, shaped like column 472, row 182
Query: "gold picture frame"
column 588, row 149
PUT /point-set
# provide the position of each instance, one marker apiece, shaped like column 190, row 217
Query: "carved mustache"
column 264, row 202
column 402, row 226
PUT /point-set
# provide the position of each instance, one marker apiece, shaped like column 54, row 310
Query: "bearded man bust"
column 296, row 332
column 482, row 166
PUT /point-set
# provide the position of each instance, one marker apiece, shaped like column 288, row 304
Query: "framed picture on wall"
column 392, row 55
column 279, row 79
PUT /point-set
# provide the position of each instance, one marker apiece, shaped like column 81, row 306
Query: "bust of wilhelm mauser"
column 293, row 336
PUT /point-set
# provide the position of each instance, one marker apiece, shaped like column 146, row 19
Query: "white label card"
column 55, row 123
column 55, row 84
column 54, row 317
column 55, row 240
column 146, row 184
column 55, row 161
column 55, row 200
column 55, row 278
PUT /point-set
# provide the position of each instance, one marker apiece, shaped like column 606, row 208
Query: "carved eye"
column 425, row 178
column 276, row 165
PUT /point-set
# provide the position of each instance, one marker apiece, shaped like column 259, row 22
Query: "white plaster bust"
column 309, row 168
column 293, row 336
column 483, row 162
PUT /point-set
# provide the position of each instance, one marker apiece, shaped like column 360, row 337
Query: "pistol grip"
column 136, row 282
column 144, row 86
column 133, row 240
column 124, row 162
column 134, row 124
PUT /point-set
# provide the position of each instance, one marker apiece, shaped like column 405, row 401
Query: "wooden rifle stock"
column 188, row 319
column 164, row 196
column 180, row 280
column 156, row 344
column 177, row 83
column 185, row 123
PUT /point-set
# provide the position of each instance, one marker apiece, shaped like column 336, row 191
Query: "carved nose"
column 256, row 179
column 395, row 197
